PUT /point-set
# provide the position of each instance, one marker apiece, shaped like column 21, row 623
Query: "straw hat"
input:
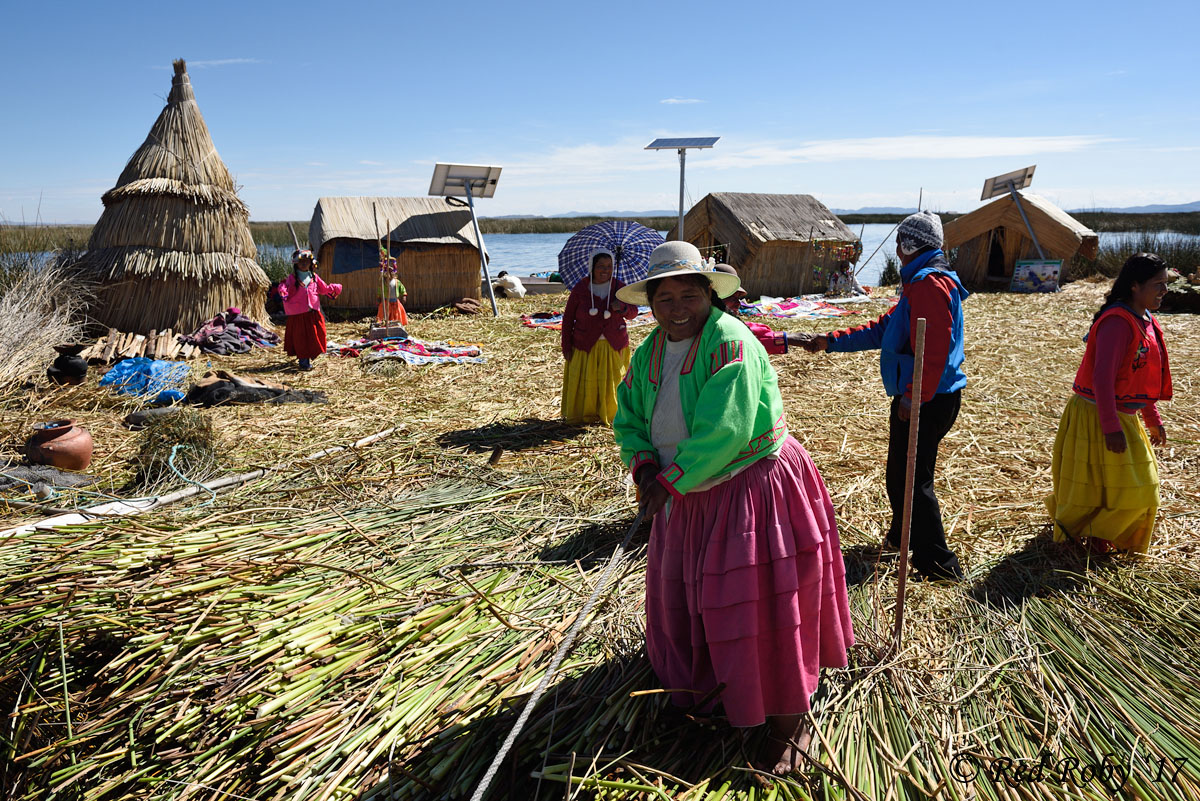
column 728, row 268
column 675, row 259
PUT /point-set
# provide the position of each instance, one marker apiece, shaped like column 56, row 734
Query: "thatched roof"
column 173, row 247
column 413, row 220
column 765, row 218
column 1059, row 234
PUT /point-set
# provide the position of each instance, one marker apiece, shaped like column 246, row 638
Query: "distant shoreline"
column 53, row 236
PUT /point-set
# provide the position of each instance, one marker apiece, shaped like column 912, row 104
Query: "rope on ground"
column 568, row 641
column 175, row 470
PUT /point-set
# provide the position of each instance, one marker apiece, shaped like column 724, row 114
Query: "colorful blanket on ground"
column 230, row 332
column 411, row 350
column 548, row 320
column 553, row 321
column 802, row 308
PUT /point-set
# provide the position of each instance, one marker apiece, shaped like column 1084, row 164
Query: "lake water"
column 526, row 254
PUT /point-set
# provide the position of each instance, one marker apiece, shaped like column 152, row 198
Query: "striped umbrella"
column 630, row 242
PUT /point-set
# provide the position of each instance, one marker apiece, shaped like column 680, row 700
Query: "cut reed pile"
column 369, row 623
column 172, row 247
column 39, row 309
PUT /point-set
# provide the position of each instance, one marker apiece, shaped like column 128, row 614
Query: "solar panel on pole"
column 469, row 181
column 682, row 144
column 1010, row 182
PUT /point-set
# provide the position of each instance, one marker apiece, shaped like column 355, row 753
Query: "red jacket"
column 1143, row 374
column 581, row 329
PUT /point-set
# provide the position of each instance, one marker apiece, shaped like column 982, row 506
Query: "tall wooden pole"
column 910, row 472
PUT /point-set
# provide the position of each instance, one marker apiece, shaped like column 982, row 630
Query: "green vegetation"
column 1182, row 223
column 19, row 243
column 1180, row 252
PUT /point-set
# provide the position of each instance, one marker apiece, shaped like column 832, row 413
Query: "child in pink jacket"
column 304, row 337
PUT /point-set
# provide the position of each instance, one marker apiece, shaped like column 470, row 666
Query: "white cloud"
column 897, row 148
column 680, row 101
column 371, row 163
column 205, row 64
column 592, row 162
column 223, row 62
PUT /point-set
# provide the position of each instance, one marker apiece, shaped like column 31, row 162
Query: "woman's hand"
column 654, row 495
column 654, row 498
column 813, row 343
column 1158, row 435
column 1115, row 441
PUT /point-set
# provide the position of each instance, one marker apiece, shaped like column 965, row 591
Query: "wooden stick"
column 910, row 472
column 295, row 239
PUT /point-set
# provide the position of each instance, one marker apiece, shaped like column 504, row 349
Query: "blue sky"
column 858, row 104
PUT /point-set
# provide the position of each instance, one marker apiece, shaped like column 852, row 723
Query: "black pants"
column 927, row 538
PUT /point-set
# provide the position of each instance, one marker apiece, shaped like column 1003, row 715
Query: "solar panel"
column 676, row 144
column 452, row 180
column 999, row 184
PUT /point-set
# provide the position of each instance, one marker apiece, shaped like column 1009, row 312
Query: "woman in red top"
column 1104, row 473
column 595, row 344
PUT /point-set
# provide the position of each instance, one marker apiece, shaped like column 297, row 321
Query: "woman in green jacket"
column 745, row 584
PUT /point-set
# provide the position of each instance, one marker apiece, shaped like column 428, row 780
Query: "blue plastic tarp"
column 154, row 380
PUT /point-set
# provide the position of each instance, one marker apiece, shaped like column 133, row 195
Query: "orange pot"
column 61, row 444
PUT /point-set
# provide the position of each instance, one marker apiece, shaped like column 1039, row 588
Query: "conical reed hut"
column 173, row 247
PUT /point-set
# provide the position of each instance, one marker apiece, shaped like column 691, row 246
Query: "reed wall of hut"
column 433, row 275
column 433, row 243
column 172, row 247
column 987, row 243
column 781, row 245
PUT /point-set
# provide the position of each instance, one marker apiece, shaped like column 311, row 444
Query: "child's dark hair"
column 1137, row 269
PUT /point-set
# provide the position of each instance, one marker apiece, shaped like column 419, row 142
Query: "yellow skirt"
column 1098, row 493
column 589, row 393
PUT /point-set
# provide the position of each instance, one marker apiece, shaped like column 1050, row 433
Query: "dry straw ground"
column 367, row 624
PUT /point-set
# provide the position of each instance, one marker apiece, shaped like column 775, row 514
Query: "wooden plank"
column 110, row 346
column 139, row 345
column 152, row 343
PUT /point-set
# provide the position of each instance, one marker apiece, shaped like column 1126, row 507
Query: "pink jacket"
column 301, row 299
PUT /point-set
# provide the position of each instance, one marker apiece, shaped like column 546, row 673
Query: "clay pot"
column 69, row 367
column 61, row 444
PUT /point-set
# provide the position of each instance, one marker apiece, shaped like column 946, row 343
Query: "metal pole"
column 682, row 158
column 1017, row 198
column 482, row 255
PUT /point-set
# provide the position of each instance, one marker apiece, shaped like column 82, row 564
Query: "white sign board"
column 1036, row 275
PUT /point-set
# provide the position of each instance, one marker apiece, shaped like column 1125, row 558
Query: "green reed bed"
column 369, row 623
column 254, row 649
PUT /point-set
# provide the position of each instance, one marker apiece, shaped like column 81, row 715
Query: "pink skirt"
column 746, row 587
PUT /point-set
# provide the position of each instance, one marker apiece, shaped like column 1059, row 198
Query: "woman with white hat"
column 595, row 344
column 745, row 584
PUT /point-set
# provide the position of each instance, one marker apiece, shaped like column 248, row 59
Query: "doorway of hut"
column 995, row 265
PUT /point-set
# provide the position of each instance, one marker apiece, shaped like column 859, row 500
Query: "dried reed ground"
column 1022, row 352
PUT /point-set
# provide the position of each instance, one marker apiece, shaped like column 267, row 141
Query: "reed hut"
column 433, row 242
column 781, row 245
column 991, row 239
column 172, row 247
